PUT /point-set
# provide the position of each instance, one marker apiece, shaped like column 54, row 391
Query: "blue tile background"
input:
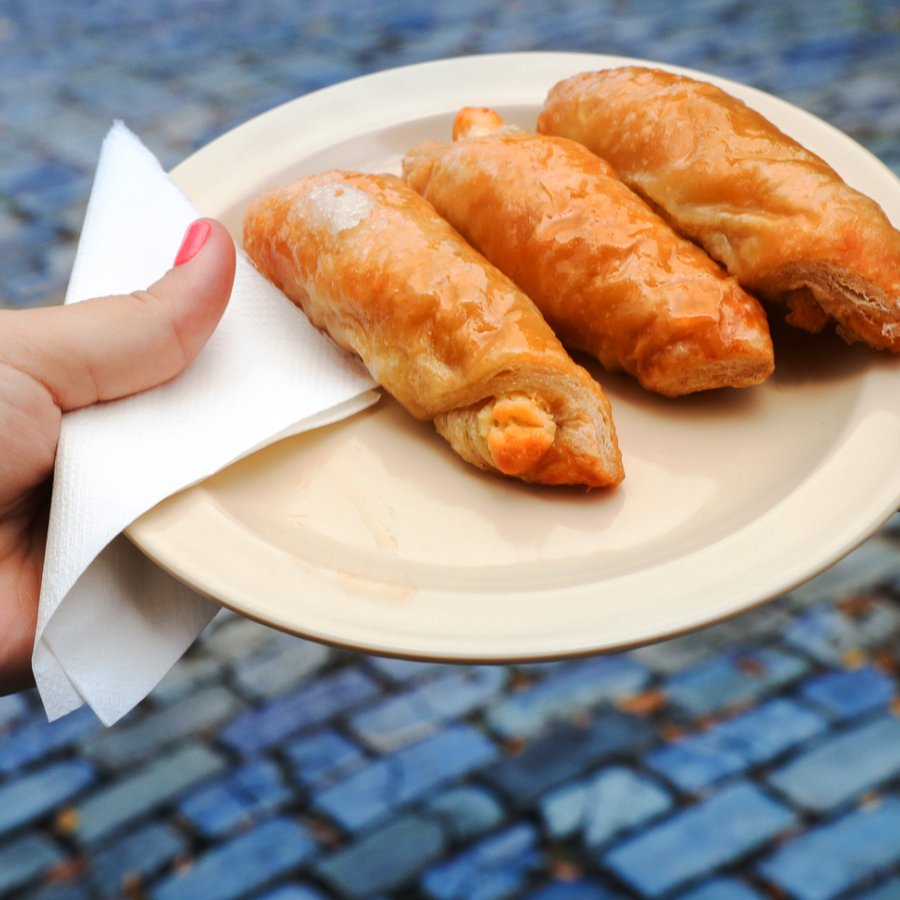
column 759, row 758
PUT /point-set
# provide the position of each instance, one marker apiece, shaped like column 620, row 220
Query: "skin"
column 57, row 359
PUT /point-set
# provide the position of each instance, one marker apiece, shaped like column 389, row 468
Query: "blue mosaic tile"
column 135, row 857
column 310, row 705
column 10, row 223
column 722, row 889
column 41, row 176
column 78, row 132
column 137, row 794
column 292, row 892
column 540, row 670
column 37, row 738
column 574, row 890
column 848, row 694
column 730, row 747
column 22, row 238
column 384, row 860
column 611, row 802
column 230, row 638
column 466, row 811
column 392, row 781
column 403, row 718
column 401, row 18
column 37, row 793
column 245, row 863
column 566, row 690
column 24, row 859
column 23, row 263
column 50, row 203
column 34, row 288
column 61, row 890
column 221, row 79
column 36, row 115
column 303, row 76
column 568, row 752
column 686, row 651
column 821, row 778
column 696, row 841
column 832, row 858
column 449, row 41
column 193, row 672
column 244, row 794
column 828, row 635
column 401, row 670
column 60, row 259
column 279, row 666
column 464, row 11
column 801, row 73
column 732, row 679
column 887, row 890
column 119, row 94
column 133, row 742
column 526, row 36
column 495, row 868
column 322, row 757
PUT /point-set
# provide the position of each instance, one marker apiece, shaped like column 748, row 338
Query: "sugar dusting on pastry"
column 338, row 207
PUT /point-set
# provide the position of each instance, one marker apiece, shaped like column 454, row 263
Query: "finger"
column 115, row 346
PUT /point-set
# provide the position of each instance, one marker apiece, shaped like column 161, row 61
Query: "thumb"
column 113, row 346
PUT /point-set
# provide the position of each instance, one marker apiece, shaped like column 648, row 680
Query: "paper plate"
column 372, row 534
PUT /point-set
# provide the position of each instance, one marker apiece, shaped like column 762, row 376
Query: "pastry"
column 609, row 275
column 778, row 217
column 447, row 334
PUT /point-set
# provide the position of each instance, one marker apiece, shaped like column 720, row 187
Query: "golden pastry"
column 372, row 264
column 778, row 217
column 610, row 276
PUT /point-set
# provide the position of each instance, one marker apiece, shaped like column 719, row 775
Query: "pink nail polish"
column 194, row 239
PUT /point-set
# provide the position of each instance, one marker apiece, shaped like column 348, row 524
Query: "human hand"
column 56, row 359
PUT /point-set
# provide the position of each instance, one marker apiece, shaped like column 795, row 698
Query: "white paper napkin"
column 111, row 624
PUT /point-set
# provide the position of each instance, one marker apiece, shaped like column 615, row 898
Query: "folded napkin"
column 110, row 623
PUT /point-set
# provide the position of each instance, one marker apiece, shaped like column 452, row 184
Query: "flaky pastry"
column 448, row 335
column 773, row 213
column 610, row 276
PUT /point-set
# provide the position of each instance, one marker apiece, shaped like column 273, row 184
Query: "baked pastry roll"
column 447, row 334
column 774, row 214
column 609, row 275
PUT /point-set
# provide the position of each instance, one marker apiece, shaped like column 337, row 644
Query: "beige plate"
column 372, row 534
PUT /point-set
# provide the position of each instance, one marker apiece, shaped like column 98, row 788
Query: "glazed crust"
column 373, row 265
column 610, row 276
column 774, row 214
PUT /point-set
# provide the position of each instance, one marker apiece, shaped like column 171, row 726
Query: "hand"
column 57, row 359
